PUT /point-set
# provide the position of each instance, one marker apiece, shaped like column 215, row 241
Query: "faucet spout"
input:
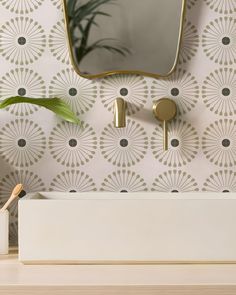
column 119, row 113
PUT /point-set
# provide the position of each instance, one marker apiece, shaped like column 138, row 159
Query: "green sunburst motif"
column 57, row 44
column 219, row 92
column 22, row 41
column 79, row 93
column 73, row 181
column 189, row 44
column 219, row 41
column 124, row 147
column 72, row 145
column 221, row 181
column 222, row 6
column 132, row 88
column 32, row 183
column 21, row 6
column 219, row 143
column 22, row 82
column 175, row 181
column 181, row 86
column 22, row 143
column 123, row 181
column 183, row 144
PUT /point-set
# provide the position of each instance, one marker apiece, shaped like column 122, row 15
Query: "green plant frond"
column 101, row 13
column 84, row 40
column 107, row 39
column 121, row 50
column 82, row 11
column 115, row 48
column 83, row 17
column 56, row 105
column 71, row 6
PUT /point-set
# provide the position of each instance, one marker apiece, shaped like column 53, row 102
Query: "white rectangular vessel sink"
column 127, row 228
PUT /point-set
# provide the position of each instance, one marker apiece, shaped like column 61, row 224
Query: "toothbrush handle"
column 7, row 203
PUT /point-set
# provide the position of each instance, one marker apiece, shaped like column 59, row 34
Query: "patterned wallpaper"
column 44, row 153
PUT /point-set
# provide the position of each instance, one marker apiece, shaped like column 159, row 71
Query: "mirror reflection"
column 138, row 36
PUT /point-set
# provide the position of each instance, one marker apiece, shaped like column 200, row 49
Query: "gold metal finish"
column 165, row 133
column 119, row 113
column 165, row 110
column 131, row 72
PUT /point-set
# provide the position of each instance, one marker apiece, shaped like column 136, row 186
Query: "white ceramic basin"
column 127, row 228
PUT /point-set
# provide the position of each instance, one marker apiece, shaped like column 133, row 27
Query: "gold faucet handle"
column 120, row 113
column 165, row 110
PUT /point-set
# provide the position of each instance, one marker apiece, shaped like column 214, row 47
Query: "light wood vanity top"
column 16, row 278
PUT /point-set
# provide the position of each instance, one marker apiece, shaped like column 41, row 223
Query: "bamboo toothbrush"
column 16, row 191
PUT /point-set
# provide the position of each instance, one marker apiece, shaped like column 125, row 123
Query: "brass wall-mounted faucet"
column 165, row 110
column 119, row 113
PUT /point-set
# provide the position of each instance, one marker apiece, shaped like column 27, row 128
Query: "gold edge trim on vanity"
column 123, row 262
column 104, row 74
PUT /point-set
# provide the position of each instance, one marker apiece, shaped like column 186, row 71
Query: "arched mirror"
column 124, row 36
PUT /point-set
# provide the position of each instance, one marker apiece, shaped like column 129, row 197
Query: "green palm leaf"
column 56, row 105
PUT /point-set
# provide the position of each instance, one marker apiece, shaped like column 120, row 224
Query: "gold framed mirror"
column 108, row 37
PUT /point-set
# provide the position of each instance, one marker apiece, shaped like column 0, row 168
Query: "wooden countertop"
column 16, row 278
